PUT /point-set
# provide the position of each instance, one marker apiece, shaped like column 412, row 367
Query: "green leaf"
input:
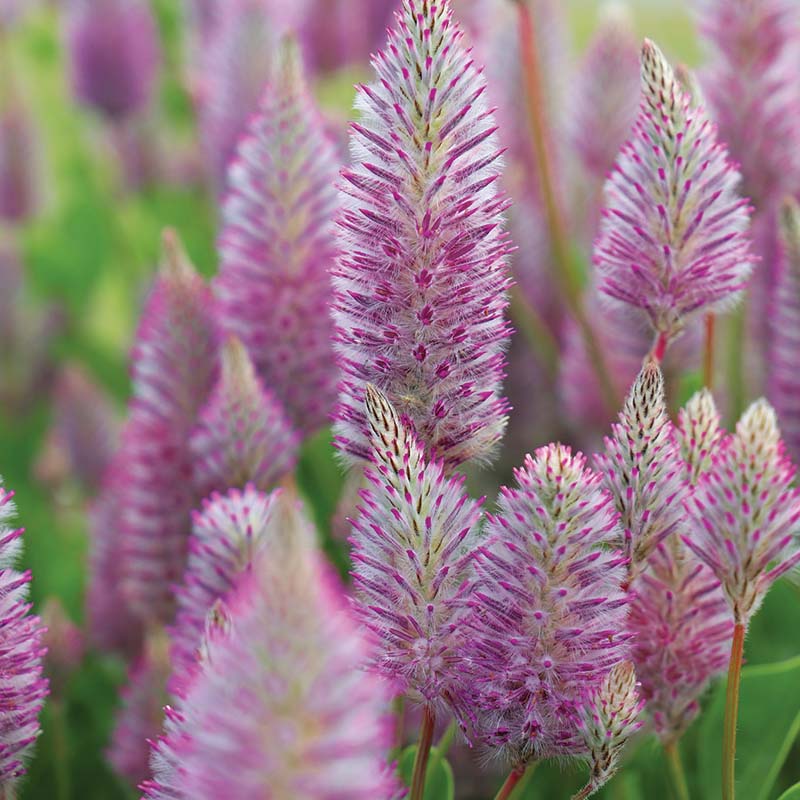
column 792, row 793
column 439, row 782
column 769, row 722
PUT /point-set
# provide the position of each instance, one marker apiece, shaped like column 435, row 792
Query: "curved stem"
column 708, row 352
column 535, row 330
column 731, row 714
column 518, row 777
column 423, row 753
column 659, row 348
column 676, row 771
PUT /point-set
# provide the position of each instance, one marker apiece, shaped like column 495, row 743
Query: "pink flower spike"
column 420, row 287
column 673, row 240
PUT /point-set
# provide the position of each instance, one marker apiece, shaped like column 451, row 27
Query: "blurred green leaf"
column 439, row 781
column 792, row 793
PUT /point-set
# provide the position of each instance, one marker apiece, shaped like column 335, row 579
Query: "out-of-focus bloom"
column 700, row 433
column 22, row 686
column 277, row 247
column 784, row 361
column 173, row 363
column 746, row 512
column 114, row 54
column 751, row 84
column 642, row 468
column 411, row 553
column 609, row 718
column 420, row 288
column 243, row 434
column 18, row 162
column 65, row 645
column 549, row 609
column 673, row 239
column 281, row 705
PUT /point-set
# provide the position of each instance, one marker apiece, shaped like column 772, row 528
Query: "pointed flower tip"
column 238, row 371
column 176, row 264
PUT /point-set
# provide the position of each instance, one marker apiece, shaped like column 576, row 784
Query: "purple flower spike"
column 746, row 513
column 642, row 468
column 673, row 240
column 243, row 434
column 277, row 247
column 699, row 433
column 411, row 553
column 114, row 54
column 549, row 608
column 22, row 686
column 18, row 162
column 608, row 719
column 420, row 288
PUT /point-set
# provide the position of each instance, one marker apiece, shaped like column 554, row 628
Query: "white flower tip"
column 176, row 264
column 238, row 371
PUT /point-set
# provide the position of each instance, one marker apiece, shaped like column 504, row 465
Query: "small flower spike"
column 673, row 240
column 19, row 157
column 243, row 434
column 746, row 513
column 281, row 706
column 22, row 685
column 411, row 544
column 700, row 434
column 549, row 609
column 608, row 719
column 277, row 246
column 642, row 468
column 420, row 287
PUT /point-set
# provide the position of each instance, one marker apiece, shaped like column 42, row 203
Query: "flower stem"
column 535, row 330
column 731, row 713
column 423, row 753
column 708, row 352
column 517, row 778
column 676, row 771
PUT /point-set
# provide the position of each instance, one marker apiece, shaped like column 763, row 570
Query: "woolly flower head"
column 642, row 468
column 673, row 239
column 420, row 287
column 22, row 686
column 411, row 542
column 281, row 706
column 746, row 513
column 243, row 434
column 548, row 608
column 699, row 433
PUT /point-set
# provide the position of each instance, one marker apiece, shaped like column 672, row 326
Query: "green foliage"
column 439, row 782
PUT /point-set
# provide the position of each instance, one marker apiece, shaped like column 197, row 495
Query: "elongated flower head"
column 549, row 610
column 700, row 433
column 673, row 239
column 114, row 54
column 682, row 629
column 277, row 247
column 281, row 706
column 609, row 718
column 22, row 686
column 420, row 288
column 18, row 160
column 65, row 645
column 411, row 542
column 642, row 468
column 746, row 512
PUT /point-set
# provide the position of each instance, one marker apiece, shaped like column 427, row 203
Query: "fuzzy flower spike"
column 420, row 288
column 673, row 240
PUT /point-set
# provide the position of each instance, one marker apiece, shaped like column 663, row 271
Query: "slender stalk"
column 423, row 753
column 708, row 352
column 562, row 264
column 399, row 708
column 676, row 771
column 517, row 778
column 659, row 348
column 731, row 714
column 60, row 748
column 736, row 380
column 535, row 330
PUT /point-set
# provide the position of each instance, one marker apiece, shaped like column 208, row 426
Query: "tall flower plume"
column 549, row 608
column 173, row 363
column 420, row 287
column 22, row 686
column 277, row 247
column 746, row 513
column 281, row 706
column 243, row 434
column 411, row 544
column 642, row 468
column 673, row 239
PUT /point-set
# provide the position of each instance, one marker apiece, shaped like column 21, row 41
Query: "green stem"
column 60, row 748
column 676, row 771
column 423, row 754
column 535, row 330
column 443, row 745
column 736, row 381
column 708, row 351
column 731, row 714
column 517, row 779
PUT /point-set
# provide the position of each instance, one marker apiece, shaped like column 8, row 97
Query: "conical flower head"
column 699, row 433
column 22, row 686
column 281, row 707
column 673, row 239
column 277, row 246
column 746, row 513
column 420, row 287
column 549, row 609
column 411, row 543
column 243, row 434
column 642, row 468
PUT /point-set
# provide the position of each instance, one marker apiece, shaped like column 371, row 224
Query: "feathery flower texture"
column 277, row 247
column 673, row 237
column 420, row 288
